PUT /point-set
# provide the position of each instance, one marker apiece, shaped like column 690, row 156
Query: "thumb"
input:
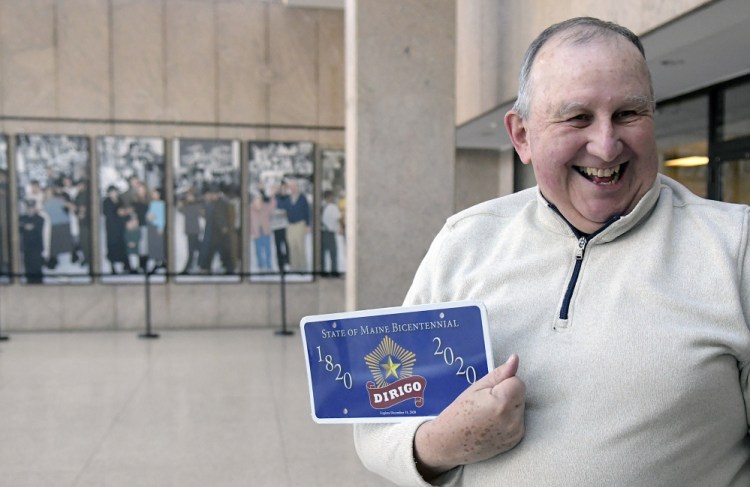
column 496, row 376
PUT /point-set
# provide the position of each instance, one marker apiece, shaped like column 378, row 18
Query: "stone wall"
column 229, row 69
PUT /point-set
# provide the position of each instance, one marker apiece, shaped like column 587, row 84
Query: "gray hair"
column 579, row 30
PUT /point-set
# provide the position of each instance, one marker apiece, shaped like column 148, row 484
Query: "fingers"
column 485, row 420
column 496, row 376
column 511, row 391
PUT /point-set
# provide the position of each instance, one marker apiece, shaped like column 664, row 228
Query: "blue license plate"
column 394, row 364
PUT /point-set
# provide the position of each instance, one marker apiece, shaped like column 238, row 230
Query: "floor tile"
column 192, row 408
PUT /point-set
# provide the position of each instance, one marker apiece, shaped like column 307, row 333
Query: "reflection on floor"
column 192, row 408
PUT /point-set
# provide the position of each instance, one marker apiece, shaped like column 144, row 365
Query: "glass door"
column 735, row 181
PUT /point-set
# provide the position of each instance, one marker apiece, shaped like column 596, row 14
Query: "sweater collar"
column 553, row 220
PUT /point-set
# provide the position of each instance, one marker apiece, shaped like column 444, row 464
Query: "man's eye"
column 626, row 114
column 579, row 119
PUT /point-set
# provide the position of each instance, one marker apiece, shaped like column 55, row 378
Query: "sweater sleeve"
column 388, row 449
column 744, row 263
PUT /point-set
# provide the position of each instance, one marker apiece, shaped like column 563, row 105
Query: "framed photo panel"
column 280, row 217
column 53, row 206
column 333, row 213
column 206, row 231
column 5, row 267
column 133, row 221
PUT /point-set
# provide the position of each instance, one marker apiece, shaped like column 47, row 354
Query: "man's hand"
column 485, row 420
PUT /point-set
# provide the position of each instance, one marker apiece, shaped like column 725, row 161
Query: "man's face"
column 590, row 134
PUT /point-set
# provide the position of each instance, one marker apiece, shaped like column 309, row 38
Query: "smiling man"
column 588, row 127
column 621, row 299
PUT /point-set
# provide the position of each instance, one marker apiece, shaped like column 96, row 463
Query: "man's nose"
column 604, row 142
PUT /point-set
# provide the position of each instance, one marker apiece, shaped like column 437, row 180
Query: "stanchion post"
column 3, row 338
column 282, row 282
column 147, row 288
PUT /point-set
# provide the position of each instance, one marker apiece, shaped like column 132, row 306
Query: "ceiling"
column 700, row 49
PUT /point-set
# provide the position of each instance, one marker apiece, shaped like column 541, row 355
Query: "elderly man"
column 622, row 300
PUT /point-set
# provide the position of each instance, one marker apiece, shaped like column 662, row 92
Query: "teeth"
column 600, row 173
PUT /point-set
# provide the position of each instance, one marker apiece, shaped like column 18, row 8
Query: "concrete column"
column 400, row 147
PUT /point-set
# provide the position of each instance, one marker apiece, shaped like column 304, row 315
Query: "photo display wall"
column 133, row 221
column 5, row 266
column 333, row 213
column 182, row 221
column 206, row 231
column 53, row 203
column 280, row 213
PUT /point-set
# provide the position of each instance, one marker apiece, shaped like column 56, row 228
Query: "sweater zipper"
column 583, row 241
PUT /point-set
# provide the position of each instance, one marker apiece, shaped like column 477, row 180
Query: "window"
column 734, row 122
column 682, row 142
column 703, row 140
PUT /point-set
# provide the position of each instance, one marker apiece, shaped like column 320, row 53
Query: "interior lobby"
column 187, row 375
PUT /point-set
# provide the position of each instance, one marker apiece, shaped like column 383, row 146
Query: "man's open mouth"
column 602, row 176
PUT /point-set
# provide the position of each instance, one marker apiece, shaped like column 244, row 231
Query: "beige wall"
column 214, row 61
column 493, row 35
column 244, row 69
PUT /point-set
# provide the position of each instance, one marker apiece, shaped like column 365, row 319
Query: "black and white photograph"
column 333, row 213
column 5, row 267
column 280, row 217
column 53, row 205
column 206, row 236
column 133, row 221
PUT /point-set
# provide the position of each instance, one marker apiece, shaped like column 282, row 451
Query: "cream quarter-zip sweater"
column 634, row 343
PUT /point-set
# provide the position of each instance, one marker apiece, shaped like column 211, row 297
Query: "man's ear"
column 516, row 127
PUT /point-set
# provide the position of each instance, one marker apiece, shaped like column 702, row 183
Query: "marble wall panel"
column 301, row 301
column 330, row 139
column 241, row 133
column 274, row 316
column 27, row 37
column 129, row 307
column 83, row 78
column 242, row 56
column 293, row 62
column 331, row 103
column 291, row 134
column 190, row 70
column 89, row 310
column 138, row 60
column 234, row 310
column 331, row 296
column 191, row 305
column 32, row 307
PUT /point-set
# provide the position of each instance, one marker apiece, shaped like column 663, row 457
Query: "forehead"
column 568, row 71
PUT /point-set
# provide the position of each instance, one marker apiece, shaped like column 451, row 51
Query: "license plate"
column 394, row 364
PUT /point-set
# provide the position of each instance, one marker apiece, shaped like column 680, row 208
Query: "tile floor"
column 191, row 408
